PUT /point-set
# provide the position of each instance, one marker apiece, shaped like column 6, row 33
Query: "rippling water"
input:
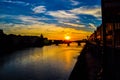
column 46, row 63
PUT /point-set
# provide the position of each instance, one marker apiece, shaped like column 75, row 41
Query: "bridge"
column 68, row 42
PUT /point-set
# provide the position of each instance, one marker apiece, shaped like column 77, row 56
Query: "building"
column 111, row 22
column 111, row 39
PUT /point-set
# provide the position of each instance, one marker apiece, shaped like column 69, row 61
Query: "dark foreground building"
column 111, row 39
column 111, row 22
column 100, row 58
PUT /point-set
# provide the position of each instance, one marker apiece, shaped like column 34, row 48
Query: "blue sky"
column 50, row 17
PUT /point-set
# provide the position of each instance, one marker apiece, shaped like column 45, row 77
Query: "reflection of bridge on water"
column 68, row 42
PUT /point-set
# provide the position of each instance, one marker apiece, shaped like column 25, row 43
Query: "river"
column 46, row 63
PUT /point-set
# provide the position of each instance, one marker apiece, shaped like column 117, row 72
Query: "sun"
column 67, row 37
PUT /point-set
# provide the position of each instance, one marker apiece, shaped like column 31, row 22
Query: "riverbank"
column 92, row 64
column 88, row 65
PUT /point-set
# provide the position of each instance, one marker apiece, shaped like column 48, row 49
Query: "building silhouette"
column 111, row 39
column 13, row 42
column 111, row 22
column 108, row 36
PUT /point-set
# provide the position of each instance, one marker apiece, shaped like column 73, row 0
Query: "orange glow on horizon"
column 50, row 31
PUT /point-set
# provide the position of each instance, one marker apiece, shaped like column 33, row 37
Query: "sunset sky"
column 53, row 18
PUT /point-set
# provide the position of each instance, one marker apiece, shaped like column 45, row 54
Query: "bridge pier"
column 79, row 44
column 57, row 44
column 68, row 44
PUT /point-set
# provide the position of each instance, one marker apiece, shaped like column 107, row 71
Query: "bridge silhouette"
column 68, row 42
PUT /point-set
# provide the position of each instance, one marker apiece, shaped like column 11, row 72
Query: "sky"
column 52, row 18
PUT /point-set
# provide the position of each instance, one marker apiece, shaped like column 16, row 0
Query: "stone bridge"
column 68, row 42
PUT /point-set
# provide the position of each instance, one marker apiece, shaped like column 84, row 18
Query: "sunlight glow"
column 67, row 37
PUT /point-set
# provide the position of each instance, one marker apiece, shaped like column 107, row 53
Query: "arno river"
column 46, row 63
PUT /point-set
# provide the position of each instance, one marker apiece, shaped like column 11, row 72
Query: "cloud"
column 5, row 26
column 73, row 24
column 31, row 20
column 34, row 19
column 62, row 14
column 92, row 26
column 73, row 14
column 74, row 2
column 50, row 31
column 39, row 9
column 28, row 19
column 94, row 11
column 16, row 2
column 24, row 19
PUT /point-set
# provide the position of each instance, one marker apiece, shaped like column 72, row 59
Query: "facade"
column 109, row 32
column 111, row 22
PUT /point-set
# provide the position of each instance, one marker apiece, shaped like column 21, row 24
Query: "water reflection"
column 47, row 63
